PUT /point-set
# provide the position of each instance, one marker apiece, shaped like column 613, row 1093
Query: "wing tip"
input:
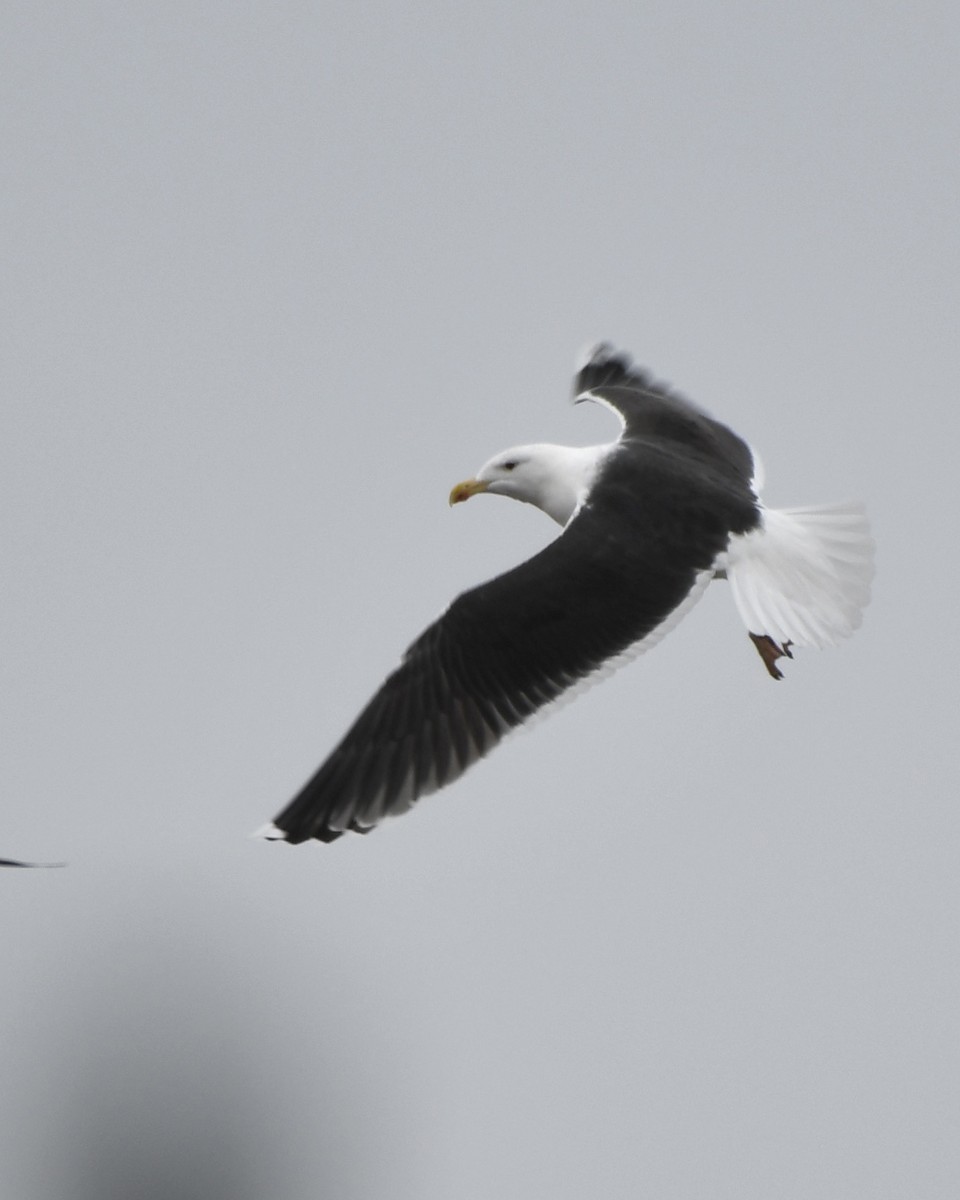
column 16, row 862
column 270, row 833
column 600, row 363
column 593, row 352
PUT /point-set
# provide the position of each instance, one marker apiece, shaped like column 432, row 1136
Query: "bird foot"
column 769, row 651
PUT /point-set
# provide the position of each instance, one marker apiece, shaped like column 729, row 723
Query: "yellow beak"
column 469, row 487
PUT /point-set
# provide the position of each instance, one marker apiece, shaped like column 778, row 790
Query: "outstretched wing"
column 624, row 570
column 651, row 412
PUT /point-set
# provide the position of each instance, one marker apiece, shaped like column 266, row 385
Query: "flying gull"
column 648, row 521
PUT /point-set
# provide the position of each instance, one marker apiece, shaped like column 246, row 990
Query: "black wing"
column 503, row 650
column 653, row 413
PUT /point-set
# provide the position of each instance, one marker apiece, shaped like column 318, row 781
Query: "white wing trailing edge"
column 803, row 577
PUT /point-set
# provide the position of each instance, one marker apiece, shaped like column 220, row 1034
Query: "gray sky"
column 274, row 278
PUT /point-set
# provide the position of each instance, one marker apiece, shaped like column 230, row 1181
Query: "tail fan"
column 803, row 577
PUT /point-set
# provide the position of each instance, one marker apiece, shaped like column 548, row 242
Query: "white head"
column 553, row 478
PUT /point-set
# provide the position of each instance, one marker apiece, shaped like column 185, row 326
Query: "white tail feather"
column 803, row 576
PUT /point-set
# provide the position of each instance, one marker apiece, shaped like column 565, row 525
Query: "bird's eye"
column 508, row 466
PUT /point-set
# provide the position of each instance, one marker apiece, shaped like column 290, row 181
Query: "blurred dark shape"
column 12, row 862
column 166, row 1082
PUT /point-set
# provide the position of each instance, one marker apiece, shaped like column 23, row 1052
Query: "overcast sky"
column 275, row 277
